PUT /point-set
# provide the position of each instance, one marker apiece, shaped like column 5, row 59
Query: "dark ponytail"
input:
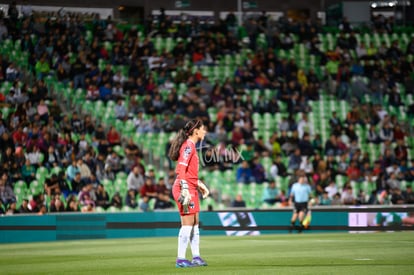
column 176, row 145
column 182, row 136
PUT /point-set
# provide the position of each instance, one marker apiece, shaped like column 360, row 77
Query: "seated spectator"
column 20, row 137
column 28, row 172
column 72, row 204
column 77, row 183
column 238, row 201
column 118, row 91
column 361, row 198
column 131, row 199
column 12, row 73
column 305, row 146
column 113, row 137
column 401, row 151
column 244, row 173
column 153, row 125
column 397, row 196
column 92, row 92
column 84, row 170
column 271, row 193
column 24, row 207
column 52, row 158
column 393, row 182
column 353, row 172
column 331, row 146
column 85, row 195
column 304, row 126
column 34, row 155
column 408, row 195
column 278, row 168
column 386, row 132
column 42, row 67
column 52, row 185
column 11, row 209
column 295, row 160
column 6, row 192
column 336, row 200
column 307, row 166
column 43, row 111
column 372, row 135
column 135, row 180
column 105, row 92
column 116, row 201
column 113, row 163
column 102, row 197
column 331, row 189
column 163, row 200
column 56, row 204
column 343, row 164
column 72, row 170
column 348, row 197
column 258, row 171
column 325, row 199
column 37, row 201
column 121, row 111
column 148, row 192
column 261, row 148
column 155, row 62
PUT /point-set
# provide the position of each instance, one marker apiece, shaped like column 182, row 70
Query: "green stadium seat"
column 121, row 175
column 113, row 209
column 41, row 174
column 36, row 187
column 99, row 209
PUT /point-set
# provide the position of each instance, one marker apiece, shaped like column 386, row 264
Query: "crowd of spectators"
column 39, row 133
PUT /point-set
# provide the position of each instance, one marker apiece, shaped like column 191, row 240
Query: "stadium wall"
column 80, row 226
column 311, row 6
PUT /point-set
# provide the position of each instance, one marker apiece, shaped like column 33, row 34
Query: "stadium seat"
column 36, row 187
column 55, row 170
column 99, row 209
column 42, row 173
column 113, row 209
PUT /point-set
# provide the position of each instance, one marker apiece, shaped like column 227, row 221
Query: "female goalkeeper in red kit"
column 185, row 190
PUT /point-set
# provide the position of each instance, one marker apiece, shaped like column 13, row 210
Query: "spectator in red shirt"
column 353, row 172
column 198, row 58
column 400, row 150
column 113, row 137
column 148, row 191
column 237, row 136
column 398, row 133
column 19, row 136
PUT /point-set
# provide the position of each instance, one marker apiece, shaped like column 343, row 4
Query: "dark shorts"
column 301, row 207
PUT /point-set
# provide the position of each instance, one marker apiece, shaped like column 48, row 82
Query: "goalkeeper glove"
column 185, row 196
column 203, row 189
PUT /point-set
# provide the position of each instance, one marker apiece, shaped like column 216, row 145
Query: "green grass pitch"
column 331, row 253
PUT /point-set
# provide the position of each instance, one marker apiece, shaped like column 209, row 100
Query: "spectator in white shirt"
column 121, row 111
column 305, row 126
column 135, row 180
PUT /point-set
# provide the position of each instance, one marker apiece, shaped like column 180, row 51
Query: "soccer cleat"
column 197, row 261
column 183, row 263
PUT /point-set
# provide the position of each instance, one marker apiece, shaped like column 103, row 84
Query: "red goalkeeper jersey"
column 187, row 164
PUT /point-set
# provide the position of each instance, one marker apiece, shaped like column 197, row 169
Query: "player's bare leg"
column 301, row 217
column 293, row 221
